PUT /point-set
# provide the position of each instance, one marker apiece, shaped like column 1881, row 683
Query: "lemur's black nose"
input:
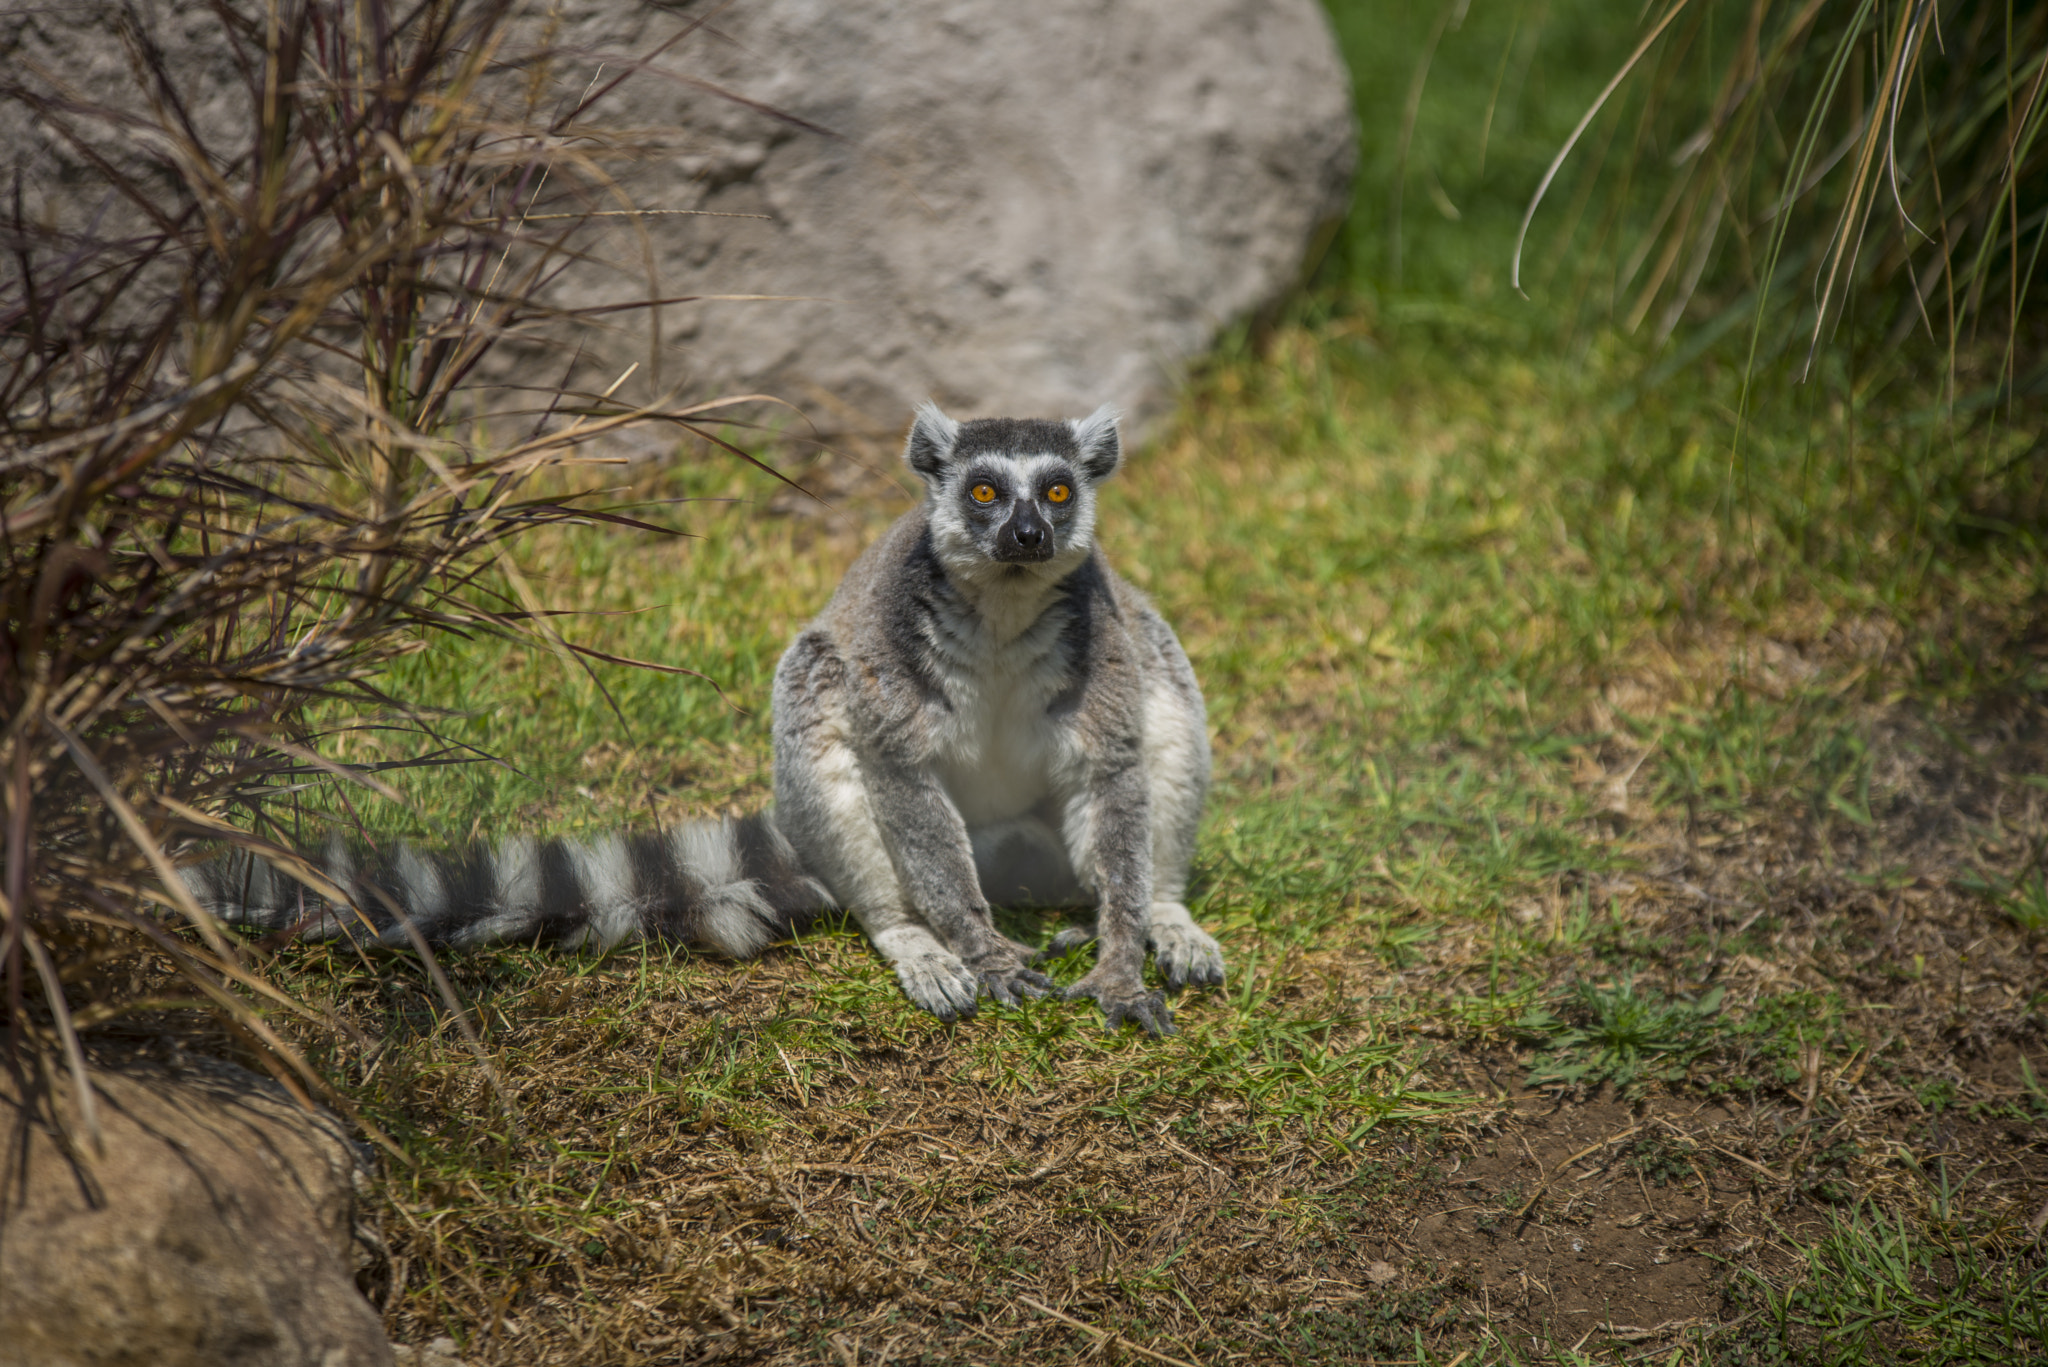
column 1024, row 537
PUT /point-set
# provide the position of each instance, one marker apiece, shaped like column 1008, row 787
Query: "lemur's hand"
column 937, row 981
column 1124, row 1000
column 1003, row 974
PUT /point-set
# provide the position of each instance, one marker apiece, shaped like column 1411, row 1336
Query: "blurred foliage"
column 1716, row 147
column 1809, row 230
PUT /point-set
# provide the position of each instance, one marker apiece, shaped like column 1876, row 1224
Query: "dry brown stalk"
column 232, row 483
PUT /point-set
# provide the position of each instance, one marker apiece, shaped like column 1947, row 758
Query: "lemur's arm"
column 928, row 843
column 1117, row 860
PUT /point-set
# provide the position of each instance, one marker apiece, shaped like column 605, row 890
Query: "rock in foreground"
column 215, row 1231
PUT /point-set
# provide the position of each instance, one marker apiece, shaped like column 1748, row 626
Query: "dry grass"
column 1453, row 828
column 247, row 280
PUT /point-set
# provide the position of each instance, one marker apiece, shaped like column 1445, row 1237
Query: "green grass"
column 1484, row 656
column 1882, row 1287
column 1556, row 740
column 1617, row 1034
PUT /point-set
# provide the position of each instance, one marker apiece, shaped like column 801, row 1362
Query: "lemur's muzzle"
column 1025, row 538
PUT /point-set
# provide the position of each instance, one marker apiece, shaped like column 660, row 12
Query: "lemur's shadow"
column 1036, row 925
column 1027, row 881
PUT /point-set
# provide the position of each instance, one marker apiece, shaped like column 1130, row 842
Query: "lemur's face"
column 1012, row 495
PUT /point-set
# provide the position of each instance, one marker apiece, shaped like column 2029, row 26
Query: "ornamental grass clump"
column 245, row 460
column 1789, row 170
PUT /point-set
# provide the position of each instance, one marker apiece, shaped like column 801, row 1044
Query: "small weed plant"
column 1621, row 1034
column 2025, row 900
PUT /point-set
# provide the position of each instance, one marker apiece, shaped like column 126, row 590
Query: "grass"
column 1620, row 1036
column 1628, row 856
column 1879, row 1287
column 1532, row 762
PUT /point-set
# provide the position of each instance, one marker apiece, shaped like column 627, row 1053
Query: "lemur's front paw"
column 939, row 983
column 1124, row 1001
column 1003, row 975
column 1186, row 954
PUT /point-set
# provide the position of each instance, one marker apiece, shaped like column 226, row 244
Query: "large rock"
column 1024, row 208
column 1012, row 207
column 215, row 1231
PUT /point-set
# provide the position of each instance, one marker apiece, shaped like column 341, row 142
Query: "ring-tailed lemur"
column 984, row 713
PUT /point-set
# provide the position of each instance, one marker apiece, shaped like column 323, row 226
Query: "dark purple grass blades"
column 244, row 305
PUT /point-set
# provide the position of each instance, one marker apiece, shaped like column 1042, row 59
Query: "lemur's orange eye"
column 1059, row 493
column 984, row 493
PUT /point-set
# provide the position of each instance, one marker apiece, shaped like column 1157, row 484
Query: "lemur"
column 984, row 714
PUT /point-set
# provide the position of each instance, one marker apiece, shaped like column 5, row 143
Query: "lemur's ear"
column 1095, row 435
column 930, row 446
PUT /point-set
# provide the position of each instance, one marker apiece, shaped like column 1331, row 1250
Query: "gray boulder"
column 1020, row 208
column 216, row 1230
column 1010, row 207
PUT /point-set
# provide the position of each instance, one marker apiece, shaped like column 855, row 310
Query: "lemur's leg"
column 1177, row 774
column 1109, row 833
column 935, row 863
column 821, row 805
column 1177, row 778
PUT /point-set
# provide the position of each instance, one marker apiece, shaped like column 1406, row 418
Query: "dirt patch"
column 1599, row 1218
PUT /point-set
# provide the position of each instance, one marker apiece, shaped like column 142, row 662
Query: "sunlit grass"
column 1487, row 629
column 1473, row 639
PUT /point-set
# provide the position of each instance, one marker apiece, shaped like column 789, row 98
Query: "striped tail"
column 732, row 885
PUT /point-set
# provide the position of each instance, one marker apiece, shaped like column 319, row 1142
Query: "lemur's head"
column 1013, row 496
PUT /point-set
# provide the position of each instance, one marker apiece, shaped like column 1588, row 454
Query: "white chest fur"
column 996, row 749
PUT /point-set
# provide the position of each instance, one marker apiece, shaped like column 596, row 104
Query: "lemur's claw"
column 1125, row 1003
column 1148, row 1013
column 1002, row 973
column 1036, row 984
column 1012, row 986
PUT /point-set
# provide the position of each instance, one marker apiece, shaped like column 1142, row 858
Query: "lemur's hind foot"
column 1187, row 955
column 1124, row 1001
